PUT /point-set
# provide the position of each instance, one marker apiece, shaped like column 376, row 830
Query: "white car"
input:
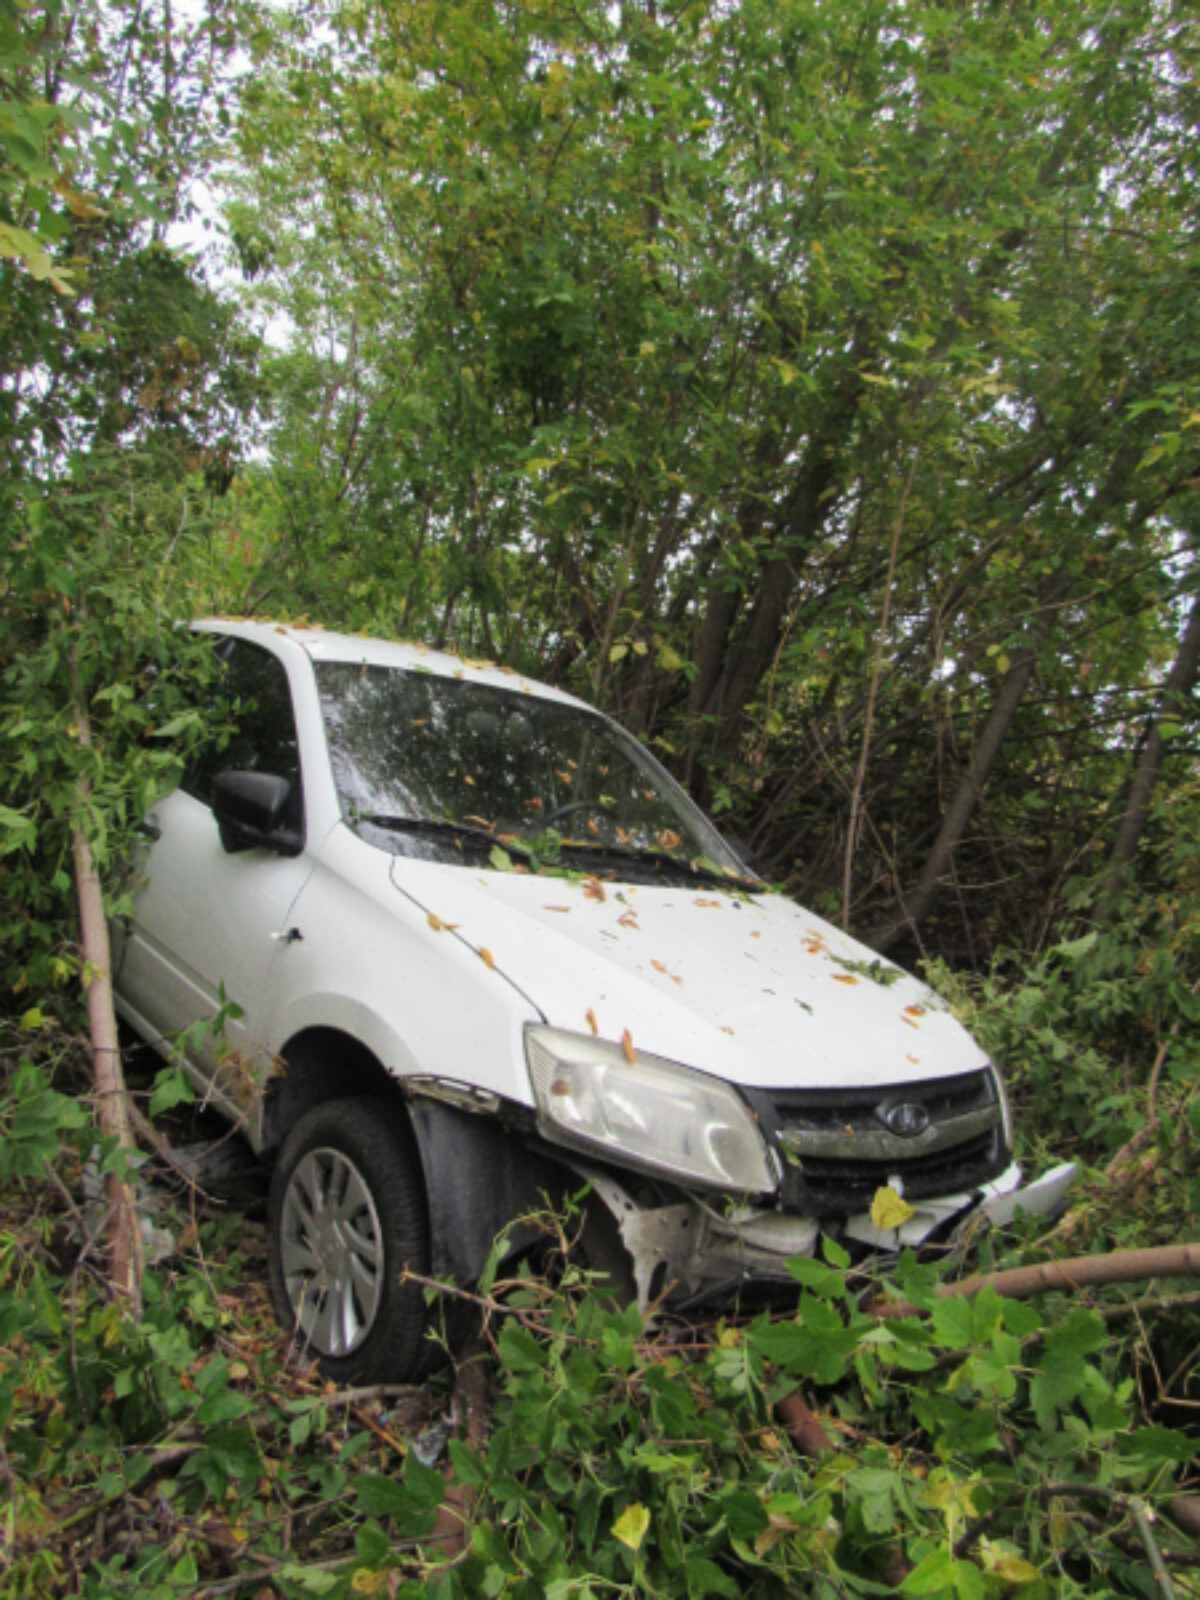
column 484, row 951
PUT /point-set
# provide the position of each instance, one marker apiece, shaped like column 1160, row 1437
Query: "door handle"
column 149, row 827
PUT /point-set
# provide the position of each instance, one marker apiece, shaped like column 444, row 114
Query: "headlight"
column 652, row 1113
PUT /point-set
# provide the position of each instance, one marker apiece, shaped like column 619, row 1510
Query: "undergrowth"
column 979, row 1448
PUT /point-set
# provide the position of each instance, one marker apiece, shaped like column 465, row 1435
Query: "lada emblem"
column 908, row 1119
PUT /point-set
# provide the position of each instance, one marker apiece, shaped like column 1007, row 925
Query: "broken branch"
column 1068, row 1276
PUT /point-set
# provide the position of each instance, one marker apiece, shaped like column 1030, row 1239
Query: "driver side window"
column 256, row 703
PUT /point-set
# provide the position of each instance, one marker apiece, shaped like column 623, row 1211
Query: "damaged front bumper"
column 691, row 1250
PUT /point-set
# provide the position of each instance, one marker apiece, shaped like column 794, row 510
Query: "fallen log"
column 1069, row 1276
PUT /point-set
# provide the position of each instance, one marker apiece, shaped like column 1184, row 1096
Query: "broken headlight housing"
column 650, row 1113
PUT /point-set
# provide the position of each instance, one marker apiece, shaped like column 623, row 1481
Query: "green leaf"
column 953, row 1323
column 1161, row 1444
column 224, row 1406
column 932, row 1575
column 500, row 859
column 1080, row 1333
column 19, row 831
column 372, row 1544
column 519, row 1350
column 172, row 1087
column 380, row 1496
column 834, row 1253
column 1073, row 949
column 176, row 726
column 968, row 1581
column 743, row 1512
column 822, row 1280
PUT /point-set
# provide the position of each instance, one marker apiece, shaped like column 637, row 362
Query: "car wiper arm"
column 454, row 830
column 664, row 858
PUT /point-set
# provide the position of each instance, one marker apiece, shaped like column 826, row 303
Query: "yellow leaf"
column 632, row 1526
column 1013, row 1569
column 627, row 1047
column 435, row 922
column 486, row 956
column 889, row 1209
column 592, row 1023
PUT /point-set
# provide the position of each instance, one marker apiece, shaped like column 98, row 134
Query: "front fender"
column 480, row 1176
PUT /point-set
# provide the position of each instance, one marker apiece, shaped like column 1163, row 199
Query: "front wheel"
column 347, row 1217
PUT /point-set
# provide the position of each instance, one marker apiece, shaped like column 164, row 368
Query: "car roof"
column 323, row 645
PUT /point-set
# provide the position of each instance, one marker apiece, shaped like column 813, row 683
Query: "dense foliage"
column 978, row 1448
column 814, row 385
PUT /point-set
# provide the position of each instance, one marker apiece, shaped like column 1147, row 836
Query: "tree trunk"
column 914, row 904
column 1172, row 702
column 917, row 901
column 122, row 1232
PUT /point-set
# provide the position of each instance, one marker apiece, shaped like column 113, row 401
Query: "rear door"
column 208, row 925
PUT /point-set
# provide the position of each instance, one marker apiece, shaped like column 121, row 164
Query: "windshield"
column 410, row 746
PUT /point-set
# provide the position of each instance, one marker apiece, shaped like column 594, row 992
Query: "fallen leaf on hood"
column 627, row 1047
column 593, row 889
column 486, row 956
column 592, row 1023
column 889, row 1209
column 659, row 966
column 556, row 908
column 843, row 977
column 908, row 1022
column 438, row 926
column 914, row 1061
column 481, row 822
column 703, row 902
column 914, row 1011
column 628, row 920
column 756, row 935
column 729, row 1031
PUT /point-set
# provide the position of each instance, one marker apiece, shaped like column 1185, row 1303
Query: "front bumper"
column 691, row 1249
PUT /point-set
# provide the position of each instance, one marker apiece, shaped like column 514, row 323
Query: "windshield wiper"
column 664, row 858
column 436, row 825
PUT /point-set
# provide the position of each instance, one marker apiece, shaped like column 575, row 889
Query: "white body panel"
column 750, row 988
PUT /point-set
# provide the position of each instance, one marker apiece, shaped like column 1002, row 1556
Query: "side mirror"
column 250, row 808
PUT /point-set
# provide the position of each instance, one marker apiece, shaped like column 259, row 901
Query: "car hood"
column 752, row 988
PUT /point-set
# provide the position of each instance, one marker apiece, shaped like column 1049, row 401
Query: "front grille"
column 838, row 1148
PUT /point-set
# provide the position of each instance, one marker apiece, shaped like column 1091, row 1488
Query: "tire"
column 347, row 1216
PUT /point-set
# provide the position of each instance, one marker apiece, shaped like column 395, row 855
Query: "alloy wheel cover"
column 331, row 1252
